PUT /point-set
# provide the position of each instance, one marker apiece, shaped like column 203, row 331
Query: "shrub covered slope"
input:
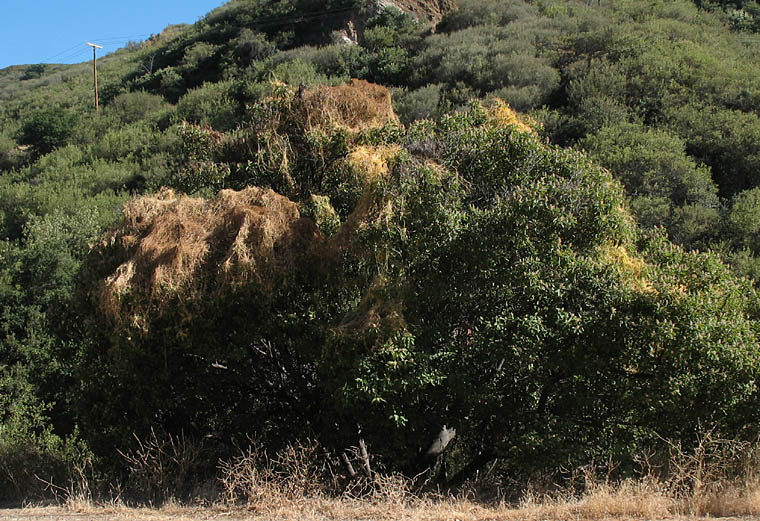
column 244, row 243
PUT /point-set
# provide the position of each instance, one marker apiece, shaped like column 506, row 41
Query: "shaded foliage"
column 48, row 129
column 482, row 280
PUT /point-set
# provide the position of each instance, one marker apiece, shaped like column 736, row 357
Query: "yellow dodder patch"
column 502, row 114
column 632, row 269
column 371, row 162
column 353, row 106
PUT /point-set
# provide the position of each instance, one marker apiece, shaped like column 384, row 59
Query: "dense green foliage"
column 550, row 310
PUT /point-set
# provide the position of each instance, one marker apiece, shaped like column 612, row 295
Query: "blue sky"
column 55, row 31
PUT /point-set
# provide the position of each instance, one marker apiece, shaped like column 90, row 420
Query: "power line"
column 75, row 50
column 72, row 55
column 75, row 46
column 125, row 38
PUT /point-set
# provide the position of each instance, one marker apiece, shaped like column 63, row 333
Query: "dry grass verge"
column 717, row 478
column 595, row 507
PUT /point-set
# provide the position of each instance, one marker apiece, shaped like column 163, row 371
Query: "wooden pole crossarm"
column 94, row 45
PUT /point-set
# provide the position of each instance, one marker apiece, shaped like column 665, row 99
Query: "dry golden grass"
column 627, row 501
column 294, row 484
column 717, row 479
column 643, row 499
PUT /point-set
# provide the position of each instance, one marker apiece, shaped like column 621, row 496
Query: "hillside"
column 456, row 247
column 426, row 10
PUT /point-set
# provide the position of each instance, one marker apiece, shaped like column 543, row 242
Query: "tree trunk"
column 477, row 463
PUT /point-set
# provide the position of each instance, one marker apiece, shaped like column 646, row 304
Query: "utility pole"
column 95, row 70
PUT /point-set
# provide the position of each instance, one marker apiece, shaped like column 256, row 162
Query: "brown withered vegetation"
column 354, row 106
column 178, row 246
column 172, row 246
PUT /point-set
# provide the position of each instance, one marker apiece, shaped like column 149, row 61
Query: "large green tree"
column 480, row 279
